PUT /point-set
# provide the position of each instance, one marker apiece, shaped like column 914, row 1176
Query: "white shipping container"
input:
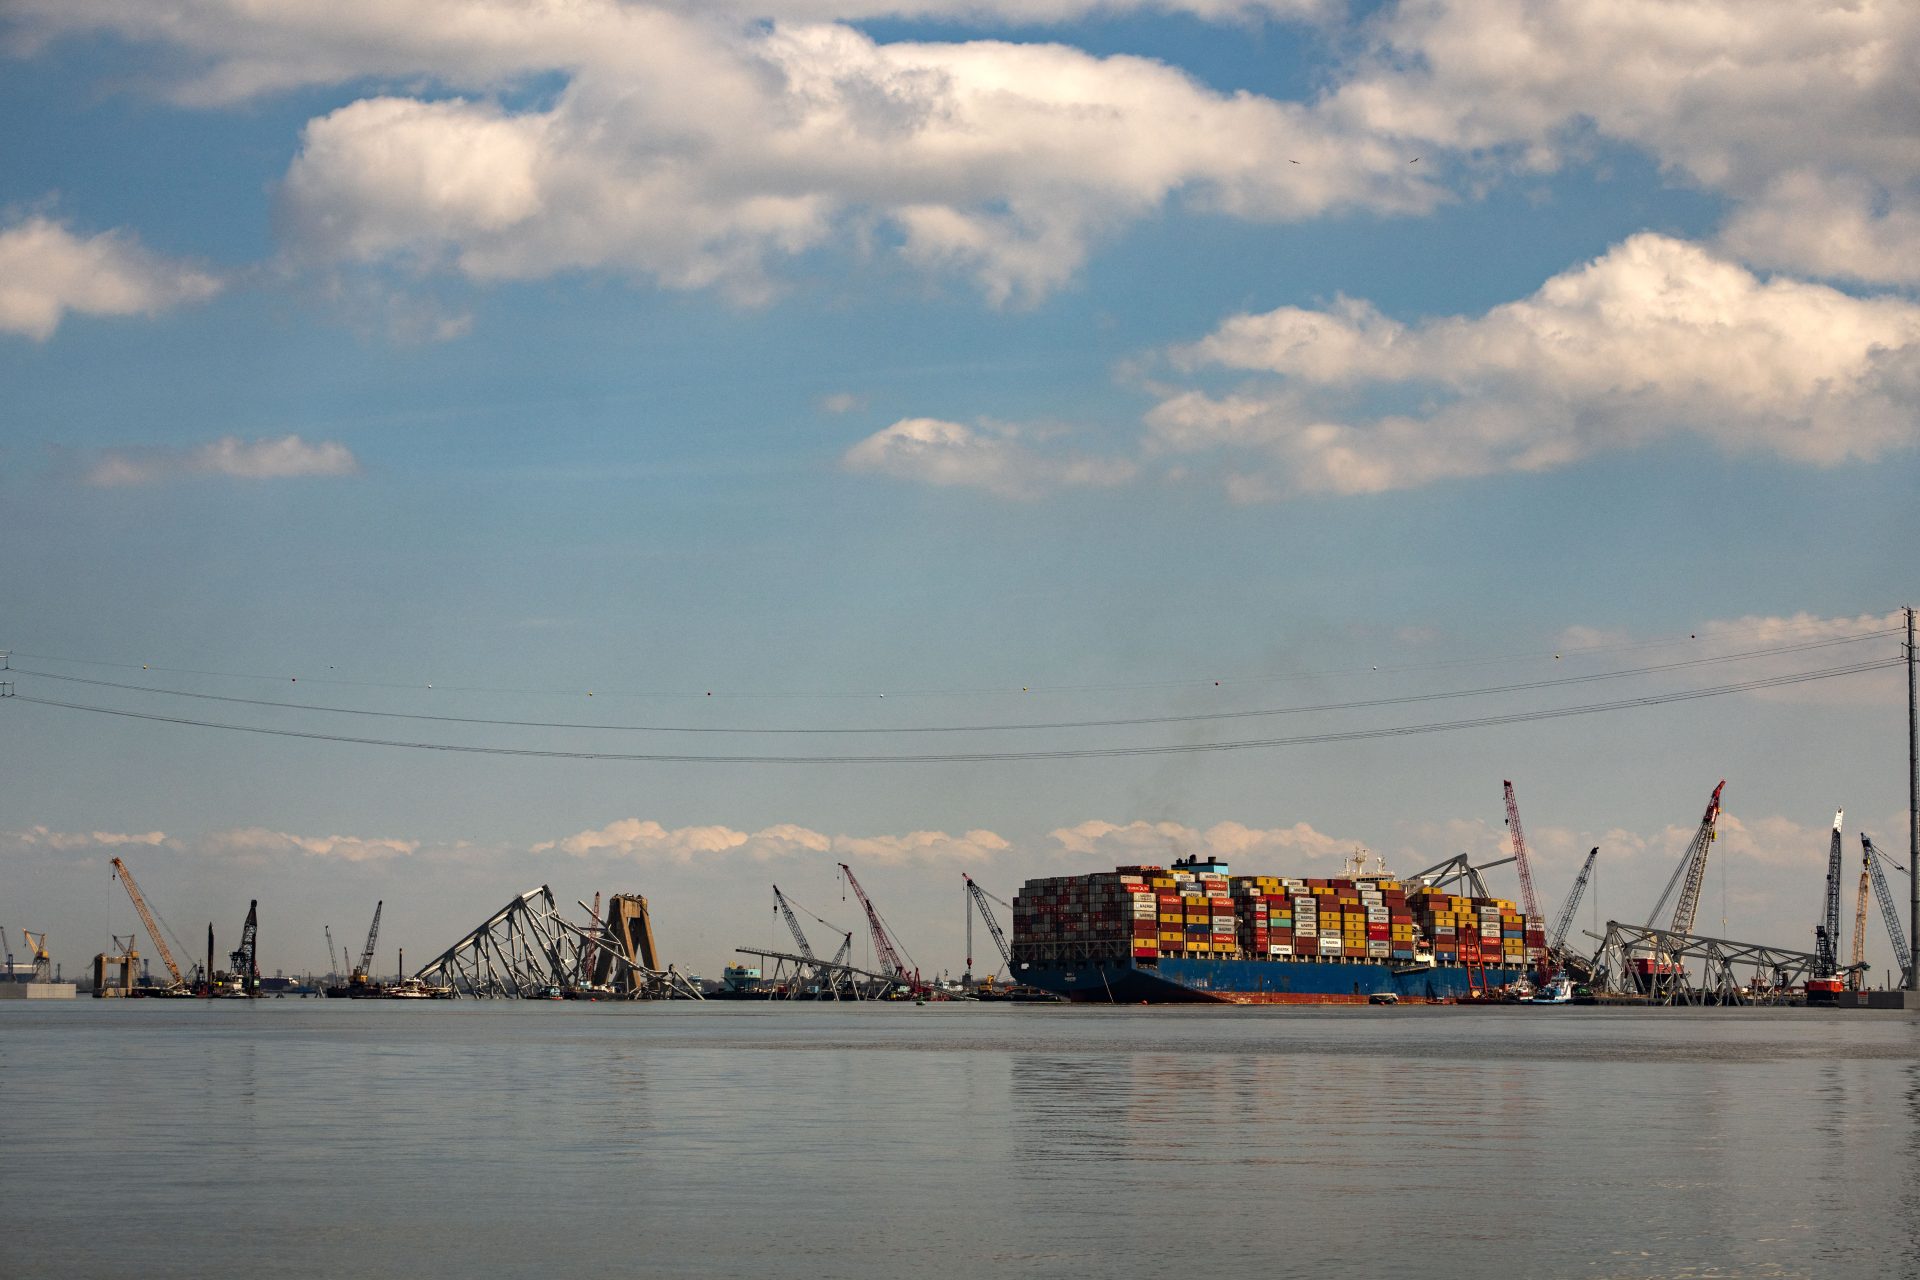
column 1279, row 949
column 1379, row 948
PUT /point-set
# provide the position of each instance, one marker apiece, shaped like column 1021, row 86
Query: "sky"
column 889, row 378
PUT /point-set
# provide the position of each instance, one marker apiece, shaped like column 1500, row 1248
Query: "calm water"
column 322, row 1138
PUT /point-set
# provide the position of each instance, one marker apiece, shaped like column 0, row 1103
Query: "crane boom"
column 793, row 924
column 882, row 944
column 146, row 918
column 1527, row 899
column 1859, row 966
column 1564, row 921
column 1826, row 936
column 1898, row 936
column 979, row 899
column 1692, row 871
column 365, row 971
column 245, row 959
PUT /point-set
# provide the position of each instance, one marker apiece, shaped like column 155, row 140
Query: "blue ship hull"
column 1190, row 980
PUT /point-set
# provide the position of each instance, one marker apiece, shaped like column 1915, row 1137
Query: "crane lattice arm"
column 793, row 924
column 245, row 960
column 1692, row 871
column 373, row 935
column 1557, row 940
column 1826, row 938
column 146, row 918
column 1527, row 900
column 1859, row 966
column 1888, row 912
column 979, row 897
column 882, row 944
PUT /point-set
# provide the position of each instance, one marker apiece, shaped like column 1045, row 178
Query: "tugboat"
column 1558, row 990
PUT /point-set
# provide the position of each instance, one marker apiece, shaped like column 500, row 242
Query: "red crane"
column 882, row 944
column 1528, row 902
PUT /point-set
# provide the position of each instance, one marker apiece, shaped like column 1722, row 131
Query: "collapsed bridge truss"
column 798, row 977
column 529, row 950
column 1660, row 965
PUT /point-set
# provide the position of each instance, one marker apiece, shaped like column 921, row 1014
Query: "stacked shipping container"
column 1478, row 930
column 1144, row 912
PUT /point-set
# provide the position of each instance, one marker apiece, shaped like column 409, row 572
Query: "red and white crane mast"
column 882, row 944
column 1528, row 903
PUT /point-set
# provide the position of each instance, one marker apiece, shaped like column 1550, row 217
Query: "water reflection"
column 890, row 1142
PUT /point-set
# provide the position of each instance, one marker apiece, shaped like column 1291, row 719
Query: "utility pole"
column 1913, row 806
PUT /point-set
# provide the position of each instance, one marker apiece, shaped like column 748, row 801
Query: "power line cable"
column 989, row 690
column 1025, row 726
column 1070, row 753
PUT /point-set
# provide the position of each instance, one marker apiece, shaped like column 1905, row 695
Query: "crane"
column 329, row 929
column 1557, row 940
column 793, row 925
column 146, row 918
column 37, row 952
column 1527, row 900
column 977, row 899
column 1859, row 966
column 1693, row 868
column 245, row 961
column 882, row 944
column 1872, row 857
column 1826, row 935
column 6, row 949
column 362, row 973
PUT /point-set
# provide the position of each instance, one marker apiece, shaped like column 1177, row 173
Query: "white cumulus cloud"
column 259, row 840
column 645, row 840
column 43, row 838
column 693, row 159
column 1657, row 337
column 47, row 272
column 1259, row 849
column 688, row 146
column 1801, row 112
column 263, row 459
column 994, row 458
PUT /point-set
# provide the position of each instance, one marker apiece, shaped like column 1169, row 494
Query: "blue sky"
column 803, row 347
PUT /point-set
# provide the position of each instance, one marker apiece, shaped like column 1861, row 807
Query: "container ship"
column 1195, row 933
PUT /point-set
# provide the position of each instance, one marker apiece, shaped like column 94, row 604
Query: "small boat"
column 1558, row 990
column 1384, row 997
